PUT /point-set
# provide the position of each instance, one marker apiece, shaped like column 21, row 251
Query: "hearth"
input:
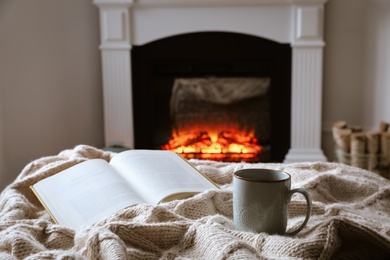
column 228, row 92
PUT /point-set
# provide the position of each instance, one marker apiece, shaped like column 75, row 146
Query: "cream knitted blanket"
column 350, row 219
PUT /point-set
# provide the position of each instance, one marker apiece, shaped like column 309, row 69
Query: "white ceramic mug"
column 260, row 201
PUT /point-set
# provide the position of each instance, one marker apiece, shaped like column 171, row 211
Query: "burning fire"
column 221, row 146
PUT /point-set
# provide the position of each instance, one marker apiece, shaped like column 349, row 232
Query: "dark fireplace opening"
column 178, row 81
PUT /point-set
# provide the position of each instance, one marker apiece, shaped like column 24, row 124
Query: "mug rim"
column 288, row 176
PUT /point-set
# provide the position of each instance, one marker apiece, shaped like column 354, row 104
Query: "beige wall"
column 51, row 90
column 50, row 82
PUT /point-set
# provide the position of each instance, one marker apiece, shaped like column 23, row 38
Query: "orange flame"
column 222, row 146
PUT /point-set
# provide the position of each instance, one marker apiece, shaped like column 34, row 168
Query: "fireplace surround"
column 299, row 23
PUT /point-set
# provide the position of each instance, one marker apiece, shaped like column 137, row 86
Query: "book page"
column 85, row 193
column 156, row 174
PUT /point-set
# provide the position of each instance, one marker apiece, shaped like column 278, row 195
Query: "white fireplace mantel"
column 125, row 23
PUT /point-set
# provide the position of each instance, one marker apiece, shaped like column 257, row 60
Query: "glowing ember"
column 223, row 146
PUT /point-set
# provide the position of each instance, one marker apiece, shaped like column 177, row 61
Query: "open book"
column 92, row 190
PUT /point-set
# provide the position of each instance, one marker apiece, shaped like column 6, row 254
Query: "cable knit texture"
column 350, row 218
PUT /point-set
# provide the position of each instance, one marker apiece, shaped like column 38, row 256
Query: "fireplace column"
column 116, row 66
column 306, row 102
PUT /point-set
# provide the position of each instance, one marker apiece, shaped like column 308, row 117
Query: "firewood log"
column 383, row 126
column 385, row 149
column 358, row 150
column 340, row 124
column 373, row 142
column 342, row 139
column 373, row 139
column 357, row 129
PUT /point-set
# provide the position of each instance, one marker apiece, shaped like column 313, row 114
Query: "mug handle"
column 308, row 211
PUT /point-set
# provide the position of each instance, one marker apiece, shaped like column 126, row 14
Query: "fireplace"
column 127, row 25
column 174, row 95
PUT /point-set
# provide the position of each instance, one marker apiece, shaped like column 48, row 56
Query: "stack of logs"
column 365, row 149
